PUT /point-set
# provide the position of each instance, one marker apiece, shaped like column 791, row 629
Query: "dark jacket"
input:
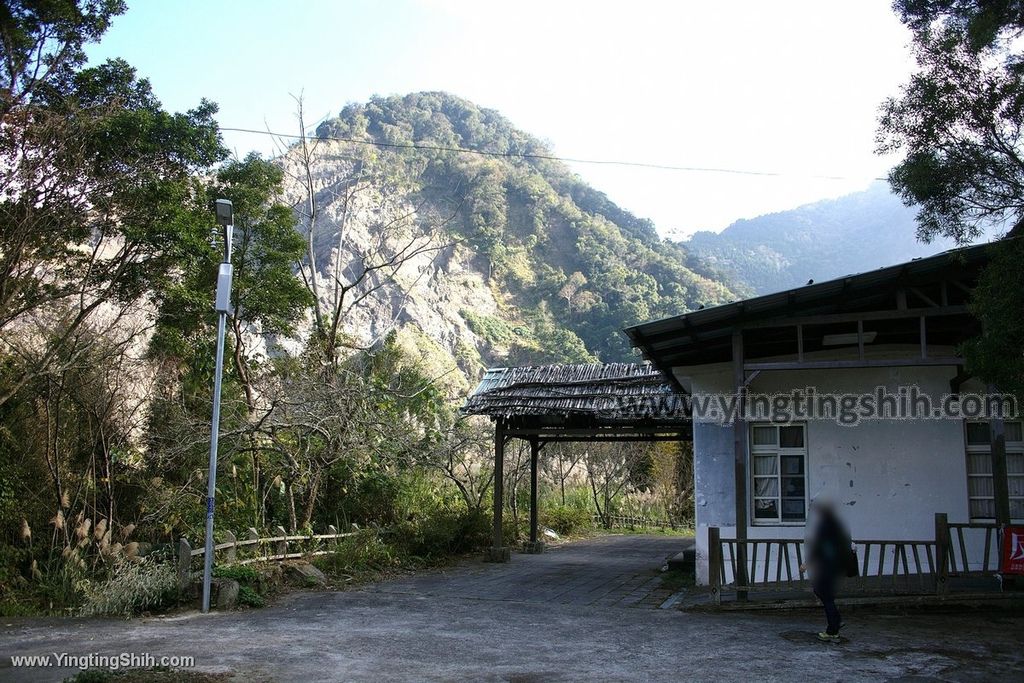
column 830, row 546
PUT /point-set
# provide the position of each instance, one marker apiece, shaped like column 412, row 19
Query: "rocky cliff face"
column 366, row 270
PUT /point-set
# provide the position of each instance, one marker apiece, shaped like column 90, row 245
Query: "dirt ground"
column 586, row 611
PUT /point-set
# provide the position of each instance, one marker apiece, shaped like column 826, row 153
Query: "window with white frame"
column 778, row 456
column 980, row 486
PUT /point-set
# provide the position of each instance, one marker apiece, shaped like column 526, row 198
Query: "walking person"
column 829, row 558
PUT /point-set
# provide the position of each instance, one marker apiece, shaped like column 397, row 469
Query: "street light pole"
column 225, row 218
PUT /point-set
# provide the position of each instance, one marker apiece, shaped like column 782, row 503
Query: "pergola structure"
column 579, row 403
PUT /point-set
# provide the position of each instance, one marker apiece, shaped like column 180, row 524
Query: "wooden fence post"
column 715, row 563
column 252, row 535
column 232, row 552
column 333, row 530
column 282, row 546
column 941, row 553
column 184, row 563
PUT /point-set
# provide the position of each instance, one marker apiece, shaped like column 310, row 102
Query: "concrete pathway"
column 616, row 571
column 471, row 625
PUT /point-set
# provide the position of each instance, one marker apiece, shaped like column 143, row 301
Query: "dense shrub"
column 447, row 532
column 567, row 520
column 368, row 551
column 409, row 544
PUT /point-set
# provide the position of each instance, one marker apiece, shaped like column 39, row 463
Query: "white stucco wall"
column 889, row 477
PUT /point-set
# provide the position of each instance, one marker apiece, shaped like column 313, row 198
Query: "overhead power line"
column 546, row 157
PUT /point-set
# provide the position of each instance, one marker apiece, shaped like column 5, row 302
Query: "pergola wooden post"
column 498, row 552
column 535, row 545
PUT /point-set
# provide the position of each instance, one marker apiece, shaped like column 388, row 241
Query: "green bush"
column 444, row 533
column 249, row 597
column 14, row 564
column 250, row 583
column 133, row 587
column 365, row 552
column 566, row 519
column 51, row 584
column 409, row 544
column 242, row 573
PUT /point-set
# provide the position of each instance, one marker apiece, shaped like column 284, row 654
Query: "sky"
column 784, row 87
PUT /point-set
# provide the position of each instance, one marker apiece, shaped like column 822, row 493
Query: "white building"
column 881, row 332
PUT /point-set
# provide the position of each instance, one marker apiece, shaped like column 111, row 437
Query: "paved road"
column 620, row 571
column 452, row 629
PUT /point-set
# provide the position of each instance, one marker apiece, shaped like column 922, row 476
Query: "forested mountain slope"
column 516, row 260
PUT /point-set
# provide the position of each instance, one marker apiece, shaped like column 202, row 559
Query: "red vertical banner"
column 1013, row 550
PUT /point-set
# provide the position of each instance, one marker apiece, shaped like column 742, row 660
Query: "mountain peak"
column 555, row 269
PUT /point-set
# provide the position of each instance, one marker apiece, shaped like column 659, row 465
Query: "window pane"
column 983, row 509
column 765, row 464
column 1017, row 509
column 1015, row 463
column 979, row 463
column 791, row 437
column 764, row 436
column 1016, row 486
column 979, row 486
column 766, row 486
column 766, row 509
column 1013, row 431
column 793, row 509
column 977, row 433
column 793, row 486
column 792, row 464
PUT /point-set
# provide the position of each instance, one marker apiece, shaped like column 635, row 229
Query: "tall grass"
column 132, row 588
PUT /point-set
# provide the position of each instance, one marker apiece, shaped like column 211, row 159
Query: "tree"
column 99, row 204
column 266, row 298
column 998, row 303
column 561, row 461
column 70, row 442
column 610, row 468
column 400, row 238
column 960, row 122
column 576, row 282
column 42, row 43
column 457, row 448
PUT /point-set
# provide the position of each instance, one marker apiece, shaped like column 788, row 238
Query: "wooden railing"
column 964, row 542
column 774, row 564
column 893, row 566
column 255, row 548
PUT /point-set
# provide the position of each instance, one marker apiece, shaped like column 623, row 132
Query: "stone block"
column 534, row 547
column 226, row 593
column 304, row 574
column 502, row 554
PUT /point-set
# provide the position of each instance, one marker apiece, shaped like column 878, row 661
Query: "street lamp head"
column 225, row 212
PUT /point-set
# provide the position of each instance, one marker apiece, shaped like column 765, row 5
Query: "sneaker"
column 828, row 638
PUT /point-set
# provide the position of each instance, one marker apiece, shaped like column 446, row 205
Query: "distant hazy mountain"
column 819, row 241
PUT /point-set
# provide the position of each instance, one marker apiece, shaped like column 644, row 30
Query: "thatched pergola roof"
column 609, row 392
